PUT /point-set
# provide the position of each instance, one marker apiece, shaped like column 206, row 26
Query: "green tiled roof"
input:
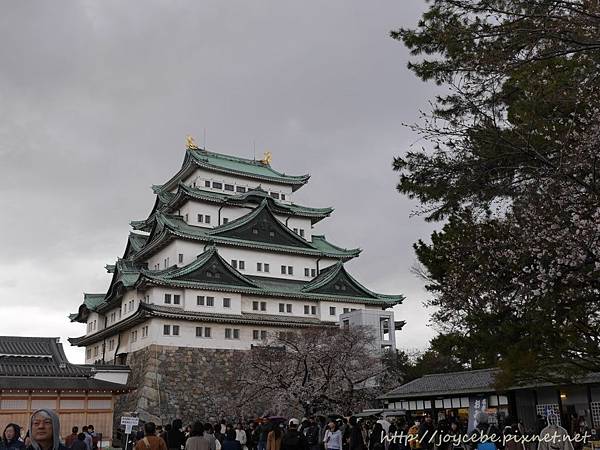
column 169, row 226
column 233, row 165
column 267, row 286
column 90, row 303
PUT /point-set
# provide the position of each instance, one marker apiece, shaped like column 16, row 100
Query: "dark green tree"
column 513, row 168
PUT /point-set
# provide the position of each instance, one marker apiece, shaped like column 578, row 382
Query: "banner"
column 476, row 404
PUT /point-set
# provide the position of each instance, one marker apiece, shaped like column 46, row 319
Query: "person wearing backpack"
column 293, row 439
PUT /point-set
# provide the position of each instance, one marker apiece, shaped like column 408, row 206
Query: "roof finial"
column 190, row 143
column 267, row 158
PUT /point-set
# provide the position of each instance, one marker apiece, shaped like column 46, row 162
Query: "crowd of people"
column 44, row 434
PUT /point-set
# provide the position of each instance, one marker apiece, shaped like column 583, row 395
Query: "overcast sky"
column 96, row 99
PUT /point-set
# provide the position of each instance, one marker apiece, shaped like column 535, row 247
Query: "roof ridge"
column 491, row 369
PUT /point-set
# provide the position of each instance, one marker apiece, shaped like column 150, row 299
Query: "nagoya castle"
column 224, row 258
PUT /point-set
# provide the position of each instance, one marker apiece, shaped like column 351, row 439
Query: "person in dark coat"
column 229, row 443
column 356, row 439
column 79, row 443
column 176, row 438
column 293, row 439
column 427, row 433
column 11, row 438
column 376, row 438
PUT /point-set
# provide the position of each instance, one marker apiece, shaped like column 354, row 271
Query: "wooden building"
column 35, row 373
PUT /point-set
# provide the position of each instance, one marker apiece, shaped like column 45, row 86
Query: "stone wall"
column 179, row 382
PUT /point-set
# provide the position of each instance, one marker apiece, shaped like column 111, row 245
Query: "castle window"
column 346, row 310
column 186, row 217
column 236, row 333
column 306, row 309
column 227, row 333
column 301, row 232
column 275, row 195
column 200, row 218
column 313, row 309
column 176, row 299
column 88, row 353
column 200, row 300
column 332, row 310
column 283, row 270
column 175, row 330
column 263, row 306
column 290, row 270
column 206, row 332
column 217, row 185
column 255, row 335
column 259, row 267
column 225, row 220
column 266, row 267
column 240, row 189
column 198, row 331
column 313, row 272
column 210, row 301
column 296, row 230
column 306, row 272
column 254, row 230
column 206, row 183
column 234, row 264
column 282, row 196
column 206, row 219
column 288, row 308
column 254, row 306
column 229, row 187
column 242, row 265
column 167, row 330
column 263, row 334
column 226, row 302
column 180, row 258
column 167, row 299
column 281, row 307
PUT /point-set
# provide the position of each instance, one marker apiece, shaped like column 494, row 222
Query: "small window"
column 296, row 230
column 263, row 306
column 254, row 230
column 259, row 267
column 229, row 187
column 255, row 335
column 206, row 219
column 236, row 333
column 306, row 309
column 177, row 299
column 301, row 232
column 263, row 334
column 282, row 196
column 227, row 333
column 186, row 217
column 288, row 308
column 290, row 270
column 200, row 300
column 346, row 310
column 275, row 195
column 206, row 183
column 234, row 263
column 180, row 258
column 266, row 267
column 198, row 331
column 217, row 185
column 175, row 330
column 242, row 265
column 200, row 218
column 225, row 220
column 226, row 302
column 254, row 306
column 313, row 272
column 210, row 301
column 332, row 310
column 313, row 309
column 207, row 332
column 240, row 189
column 167, row 299
column 306, row 272
column 167, row 330
column 283, row 270
column 281, row 307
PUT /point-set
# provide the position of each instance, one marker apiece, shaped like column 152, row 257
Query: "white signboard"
column 130, row 421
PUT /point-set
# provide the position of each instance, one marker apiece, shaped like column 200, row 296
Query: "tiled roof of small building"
column 446, row 383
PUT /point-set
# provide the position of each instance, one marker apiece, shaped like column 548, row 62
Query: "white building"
column 224, row 258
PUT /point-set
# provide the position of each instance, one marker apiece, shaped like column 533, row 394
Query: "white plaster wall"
column 193, row 208
column 339, row 309
column 169, row 251
column 201, row 175
column 157, row 296
column 273, row 306
column 130, row 295
column 192, row 304
column 94, row 316
column 112, row 376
